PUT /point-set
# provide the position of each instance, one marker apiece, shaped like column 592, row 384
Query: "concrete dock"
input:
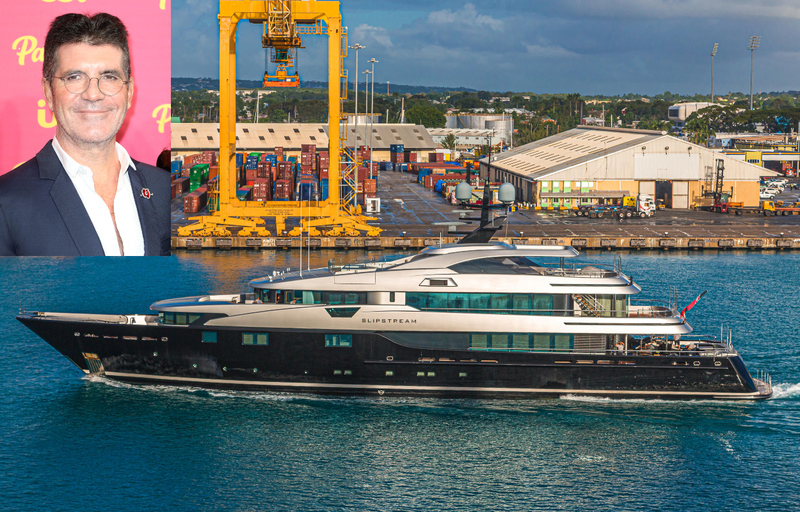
column 415, row 217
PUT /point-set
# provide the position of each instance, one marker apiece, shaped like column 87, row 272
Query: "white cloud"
column 780, row 9
column 547, row 51
column 467, row 17
column 366, row 35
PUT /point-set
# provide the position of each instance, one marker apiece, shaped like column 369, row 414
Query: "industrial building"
column 680, row 112
column 190, row 138
column 466, row 138
column 501, row 124
column 596, row 165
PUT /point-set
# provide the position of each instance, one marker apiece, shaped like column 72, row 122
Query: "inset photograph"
column 86, row 107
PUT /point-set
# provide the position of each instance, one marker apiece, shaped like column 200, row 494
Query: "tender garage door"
column 680, row 194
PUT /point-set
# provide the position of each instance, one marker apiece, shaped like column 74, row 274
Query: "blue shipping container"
column 323, row 190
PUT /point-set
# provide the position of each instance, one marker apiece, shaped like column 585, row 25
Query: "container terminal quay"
column 354, row 182
column 407, row 190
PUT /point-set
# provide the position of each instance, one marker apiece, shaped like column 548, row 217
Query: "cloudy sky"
column 585, row 46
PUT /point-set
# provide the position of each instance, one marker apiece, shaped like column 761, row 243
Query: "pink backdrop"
column 25, row 121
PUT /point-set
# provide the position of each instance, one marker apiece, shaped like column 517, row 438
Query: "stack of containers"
column 243, row 193
column 436, row 157
column 188, row 162
column 195, row 200
column 279, row 154
column 284, row 185
column 308, row 159
column 179, row 186
column 261, row 189
column 397, row 153
column 175, row 167
column 198, row 175
column 207, row 157
column 370, row 189
column 251, row 168
column 410, row 156
column 307, row 189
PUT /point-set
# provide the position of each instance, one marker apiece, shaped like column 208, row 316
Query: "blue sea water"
column 69, row 442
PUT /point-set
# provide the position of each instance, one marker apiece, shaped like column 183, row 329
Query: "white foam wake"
column 785, row 390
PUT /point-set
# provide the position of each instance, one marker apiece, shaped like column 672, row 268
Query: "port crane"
column 284, row 22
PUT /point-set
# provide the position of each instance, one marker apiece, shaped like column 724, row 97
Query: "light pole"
column 372, row 61
column 713, row 54
column 754, row 41
column 367, row 73
column 356, row 47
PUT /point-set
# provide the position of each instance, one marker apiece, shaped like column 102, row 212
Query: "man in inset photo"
column 82, row 194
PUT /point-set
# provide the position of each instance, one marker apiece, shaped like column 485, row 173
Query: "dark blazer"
column 41, row 213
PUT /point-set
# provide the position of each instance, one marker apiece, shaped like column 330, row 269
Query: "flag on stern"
column 690, row 306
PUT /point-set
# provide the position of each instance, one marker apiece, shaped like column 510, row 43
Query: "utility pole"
column 713, row 54
column 754, row 42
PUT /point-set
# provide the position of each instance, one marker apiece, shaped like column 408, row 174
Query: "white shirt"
column 125, row 211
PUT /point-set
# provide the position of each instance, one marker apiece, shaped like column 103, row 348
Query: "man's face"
column 89, row 118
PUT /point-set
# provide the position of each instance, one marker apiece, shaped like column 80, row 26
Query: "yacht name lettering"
column 388, row 321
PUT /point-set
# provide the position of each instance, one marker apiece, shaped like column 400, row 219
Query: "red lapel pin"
column 146, row 193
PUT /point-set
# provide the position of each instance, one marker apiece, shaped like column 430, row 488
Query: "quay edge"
column 767, row 242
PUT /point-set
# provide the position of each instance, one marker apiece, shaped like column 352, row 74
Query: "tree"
column 449, row 142
column 699, row 128
column 427, row 116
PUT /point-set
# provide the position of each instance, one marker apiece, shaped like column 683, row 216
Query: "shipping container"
column 323, row 189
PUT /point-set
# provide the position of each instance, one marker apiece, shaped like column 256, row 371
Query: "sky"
column 609, row 47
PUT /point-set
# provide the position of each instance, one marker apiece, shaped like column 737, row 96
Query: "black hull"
column 299, row 361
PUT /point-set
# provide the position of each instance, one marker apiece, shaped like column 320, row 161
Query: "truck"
column 642, row 205
column 770, row 208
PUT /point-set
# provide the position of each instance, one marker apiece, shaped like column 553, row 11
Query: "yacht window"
column 458, row 300
column 543, row 304
column 479, row 301
column 499, row 265
column 437, row 301
column 491, row 303
column 417, row 300
column 521, row 303
column 194, row 316
column 500, row 302
column 181, row 318
column 499, row 341
column 541, row 342
column 209, row 337
column 562, row 341
column 342, row 312
column 338, row 340
column 520, row 341
column 167, row 317
column 478, row 340
column 255, row 338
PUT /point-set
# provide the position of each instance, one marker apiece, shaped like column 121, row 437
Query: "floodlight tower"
column 713, row 54
column 356, row 47
column 754, row 41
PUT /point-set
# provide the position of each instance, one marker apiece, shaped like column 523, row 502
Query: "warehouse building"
column 190, row 138
column 596, row 165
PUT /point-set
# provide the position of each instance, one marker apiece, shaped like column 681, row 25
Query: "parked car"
column 766, row 196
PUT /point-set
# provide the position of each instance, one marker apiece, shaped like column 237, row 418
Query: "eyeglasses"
column 77, row 83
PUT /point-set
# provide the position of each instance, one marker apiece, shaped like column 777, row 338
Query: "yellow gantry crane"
column 285, row 21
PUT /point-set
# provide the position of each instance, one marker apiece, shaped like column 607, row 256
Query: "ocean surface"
column 70, row 442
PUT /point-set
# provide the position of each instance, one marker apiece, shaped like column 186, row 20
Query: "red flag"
column 690, row 306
